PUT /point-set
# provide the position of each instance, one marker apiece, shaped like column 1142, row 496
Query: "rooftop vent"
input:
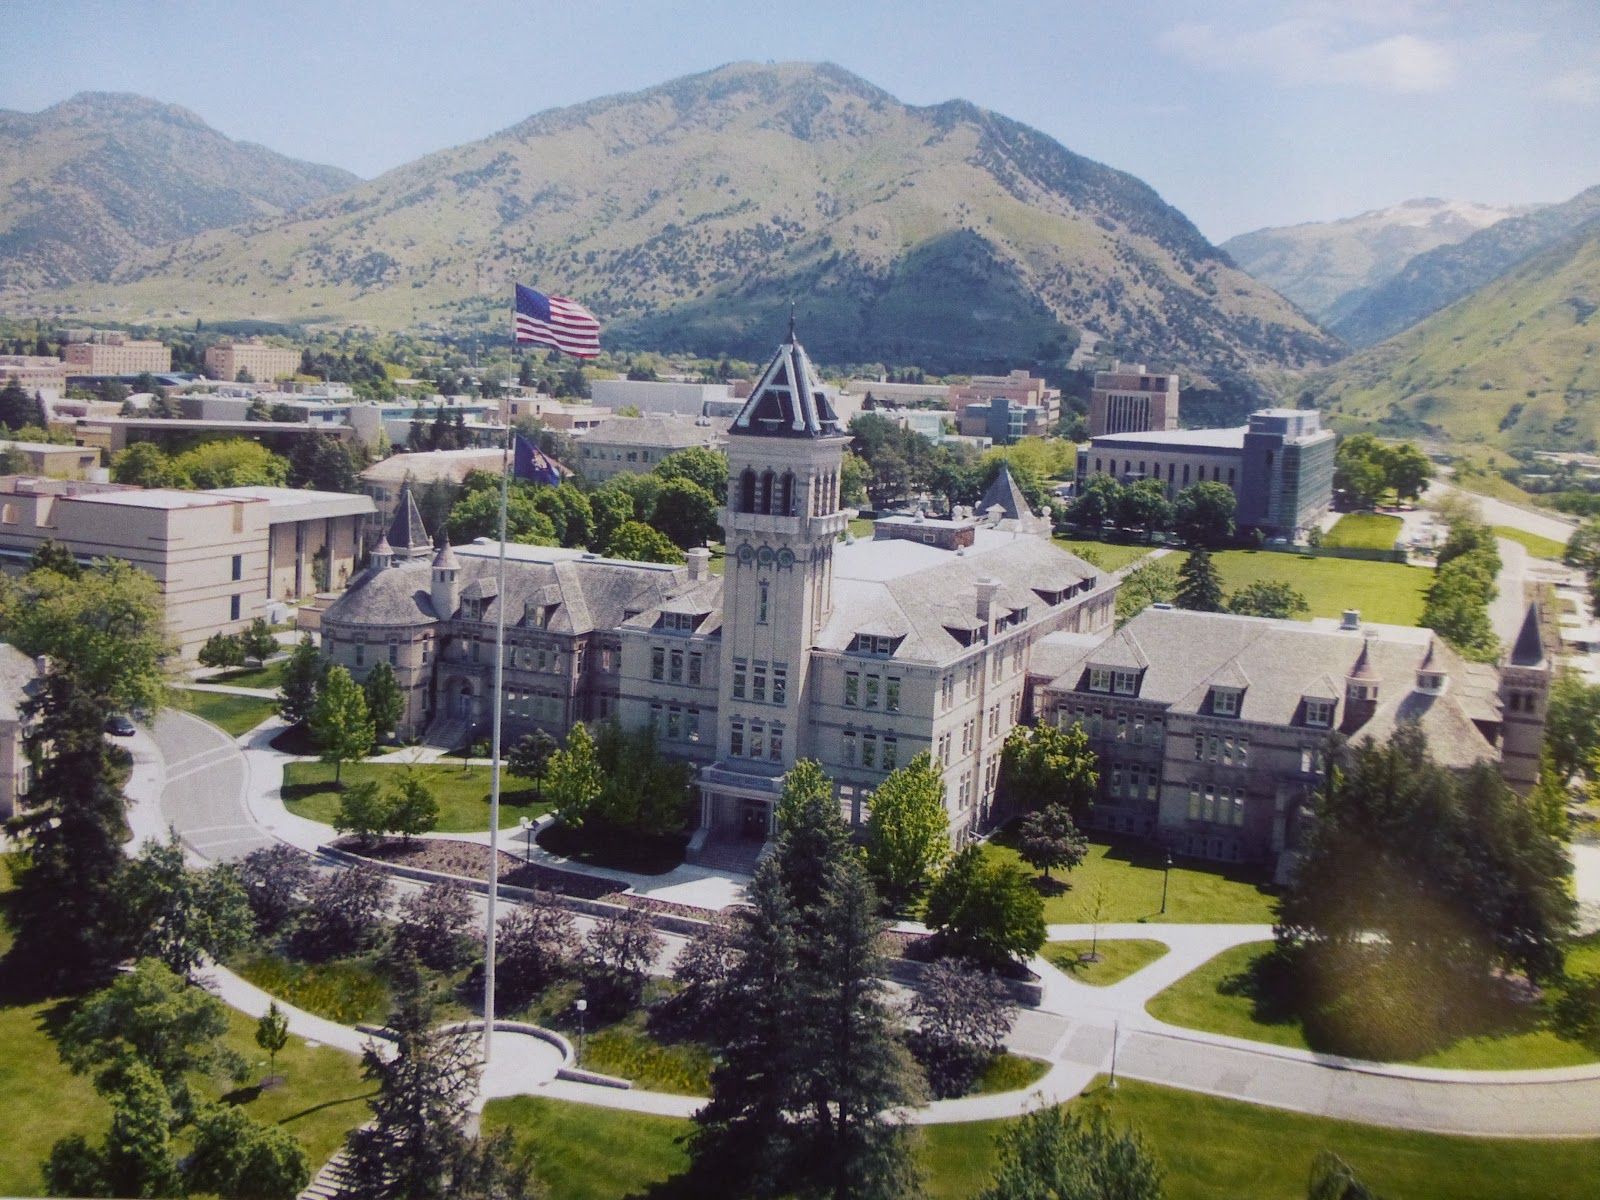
column 1351, row 619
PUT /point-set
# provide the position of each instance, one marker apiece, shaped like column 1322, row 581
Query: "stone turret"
column 446, row 593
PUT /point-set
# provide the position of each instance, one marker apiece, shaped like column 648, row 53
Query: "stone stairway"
column 447, row 733
column 329, row 1182
column 728, row 853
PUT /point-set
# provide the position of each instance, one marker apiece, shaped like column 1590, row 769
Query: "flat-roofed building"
column 55, row 461
column 227, row 360
column 117, row 355
column 211, row 553
column 1129, row 399
column 634, row 445
column 659, row 396
column 1279, row 465
column 33, row 371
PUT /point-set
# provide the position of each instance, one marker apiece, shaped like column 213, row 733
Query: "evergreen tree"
column 811, row 834
column 137, row 1157
column 70, row 828
column 237, row 1157
column 259, row 643
column 413, row 809
column 364, row 810
column 386, row 703
column 1199, row 585
column 51, row 555
column 530, row 757
column 302, row 678
column 339, row 722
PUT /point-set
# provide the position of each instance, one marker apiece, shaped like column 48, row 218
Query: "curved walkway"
column 222, row 797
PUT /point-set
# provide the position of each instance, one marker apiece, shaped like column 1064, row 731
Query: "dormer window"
column 1225, row 702
column 1125, row 683
column 1319, row 713
column 873, row 643
column 1431, row 682
column 680, row 622
column 1099, row 679
column 1362, row 691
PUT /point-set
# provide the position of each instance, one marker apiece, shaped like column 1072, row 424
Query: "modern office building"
column 1279, row 465
column 1129, row 399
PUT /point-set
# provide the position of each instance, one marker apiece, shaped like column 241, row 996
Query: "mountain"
column 688, row 216
column 1441, row 276
column 104, row 175
column 1513, row 365
column 1320, row 262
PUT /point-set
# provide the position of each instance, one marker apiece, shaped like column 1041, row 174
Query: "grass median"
column 234, row 715
column 463, row 794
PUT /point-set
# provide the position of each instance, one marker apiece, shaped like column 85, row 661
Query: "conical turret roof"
column 407, row 536
column 1003, row 491
column 446, row 559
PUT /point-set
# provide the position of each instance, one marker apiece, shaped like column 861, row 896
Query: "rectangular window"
column 780, row 684
column 1227, row 752
column 1208, row 807
column 655, row 718
column 775, row 743
column 891, row 753
column 1122, row 727
column 658, row 663
column 852, row 688
column 972, row 680
column 994, row 721
column 1116, row 781
column 1138, row 731
column 1305, row 760
column 1212, row 744
column 1243, row 756
column 1199, row 746
column 966, row 736
column 1238, row 809
column 1099, row 679
column 999, row 667
column 761, row 603
column 758, row 684
column 1225, row 702
column 947, row 691
column 757, row 742
column 1319, row 713
column 691, row 725
column 694, row 670
column 238, row 566
column 891, row 694
column 675, row 671
column 233, row 608
column 427, row 649
column 1125, row 683
column 849, row 749
column 738, row 680
column 736, row 739
column 674, row 724
column 1194, row 802
column 1016, row 656
column 873, row 684
column 394, row 653
column 869, row 751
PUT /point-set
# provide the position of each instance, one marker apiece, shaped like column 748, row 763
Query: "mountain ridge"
column 101, row 176
column 688, row 215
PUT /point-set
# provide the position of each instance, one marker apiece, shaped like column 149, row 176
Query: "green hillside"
column 689, row 215
column 91, row 181
column 1512, row 366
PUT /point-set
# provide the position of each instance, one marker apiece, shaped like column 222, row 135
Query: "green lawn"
column 344, row 991
column 1539, row 547
column 1386, row 592
column 1363, row 531
column 269, row 676
column 1112, row 556
column 235, row 715
column 1009, row 1072
column 1119, row 958
column 463, row 795
column 627, row 1050
column 1212, row 999
column 1131, row 873
column 1212, row 1149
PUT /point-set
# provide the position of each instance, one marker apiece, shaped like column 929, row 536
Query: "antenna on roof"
column 791, row 322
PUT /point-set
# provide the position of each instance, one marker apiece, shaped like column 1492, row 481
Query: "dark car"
column 120, row 727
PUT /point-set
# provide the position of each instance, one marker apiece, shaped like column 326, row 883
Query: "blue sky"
column 1242, row 113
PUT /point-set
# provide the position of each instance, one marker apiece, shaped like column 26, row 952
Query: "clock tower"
column 782, row 521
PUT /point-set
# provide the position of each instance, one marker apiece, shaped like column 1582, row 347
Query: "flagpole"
column 494, row 751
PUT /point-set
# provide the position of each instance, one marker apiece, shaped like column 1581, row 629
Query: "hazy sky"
column 1243, row 113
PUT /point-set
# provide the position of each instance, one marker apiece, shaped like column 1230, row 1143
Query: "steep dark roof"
column 1529, row 650
column 788, row 402
column 407, row 536
column 1005, row 492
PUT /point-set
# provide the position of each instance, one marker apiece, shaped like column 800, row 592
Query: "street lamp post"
column 1166, row 875
column 527, row 832
column 582, row 1006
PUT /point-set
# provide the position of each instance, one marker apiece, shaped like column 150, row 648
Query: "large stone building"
column 1279, row 465
column 228, row 360
column 1213, row 730
column 634, row 445
column 20, row 678
column 219, row 556
column 1129, row 399
column 813, row 644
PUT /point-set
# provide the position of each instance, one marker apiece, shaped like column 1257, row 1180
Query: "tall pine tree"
column 1199, row 585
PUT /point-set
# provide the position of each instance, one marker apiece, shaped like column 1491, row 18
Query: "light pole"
column 1116, row 1029
column 582, row 1006
column 1166, row 874
column 527, row 832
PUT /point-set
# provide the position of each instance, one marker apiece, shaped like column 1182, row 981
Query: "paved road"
column 203, row 796
column 1555, row 526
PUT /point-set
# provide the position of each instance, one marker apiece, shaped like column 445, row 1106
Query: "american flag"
column 556, row 321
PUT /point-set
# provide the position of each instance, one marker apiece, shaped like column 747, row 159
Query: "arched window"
column 747, row 491
column 786, row 495
column 766, row 492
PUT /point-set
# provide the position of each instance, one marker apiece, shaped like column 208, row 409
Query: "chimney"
column 1351, row 619
column 988, row 589
column 699, row 564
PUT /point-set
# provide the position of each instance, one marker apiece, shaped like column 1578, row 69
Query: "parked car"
column 120, row 727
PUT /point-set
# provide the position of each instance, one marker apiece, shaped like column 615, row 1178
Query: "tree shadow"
column 316, row 1108
column 1049, row 886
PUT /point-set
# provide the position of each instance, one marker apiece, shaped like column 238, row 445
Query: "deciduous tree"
column 339, row 723
column 272, row 1034
column 178, row 914
column 386, row 703
column 1203, row 514
column 1054, row 1153
column 259, row 642
column 275, row 879
column 536, row 944
column 908, row 830
column 963, row 1014
column 435, row 926
column 302, row 678
column 637, row 542
column 573, row 778
column 236, row 1157
column 1044, row 765
column 1268, row 598
column 986, row 909
column 222, row 650
column 1048, row 837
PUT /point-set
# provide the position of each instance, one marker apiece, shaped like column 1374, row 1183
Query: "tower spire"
column 790, row 338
